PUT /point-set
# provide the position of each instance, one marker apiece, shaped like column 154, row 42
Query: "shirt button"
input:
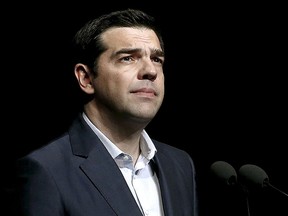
column 126, row 157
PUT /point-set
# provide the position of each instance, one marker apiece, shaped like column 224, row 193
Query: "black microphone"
column 254, row 176
column 224, row 172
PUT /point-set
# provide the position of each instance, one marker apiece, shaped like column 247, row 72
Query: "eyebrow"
column 157, row 52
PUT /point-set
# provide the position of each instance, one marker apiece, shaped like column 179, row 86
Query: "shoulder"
column 55, row 150
column 173, row 155
column 175, row 160
column 169, row 149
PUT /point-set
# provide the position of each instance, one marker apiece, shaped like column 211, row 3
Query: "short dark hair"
column 87, row 45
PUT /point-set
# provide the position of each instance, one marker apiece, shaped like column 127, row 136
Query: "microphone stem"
column 270, row 185
column 248, row 206
column 246, row 192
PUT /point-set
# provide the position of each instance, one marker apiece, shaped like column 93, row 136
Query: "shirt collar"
column 148, row 149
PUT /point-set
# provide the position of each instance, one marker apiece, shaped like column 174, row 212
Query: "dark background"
column 226, row 90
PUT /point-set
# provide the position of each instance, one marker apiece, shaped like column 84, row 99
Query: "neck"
column 123, row 133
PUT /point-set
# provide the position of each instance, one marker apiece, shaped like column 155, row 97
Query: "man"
column 106, row 164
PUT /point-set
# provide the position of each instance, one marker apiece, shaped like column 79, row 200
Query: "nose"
column 148, row 70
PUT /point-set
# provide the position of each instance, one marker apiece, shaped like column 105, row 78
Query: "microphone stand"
column 248, row 206
column 246, row 192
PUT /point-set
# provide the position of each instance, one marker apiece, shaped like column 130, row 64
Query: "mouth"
column 148, row 92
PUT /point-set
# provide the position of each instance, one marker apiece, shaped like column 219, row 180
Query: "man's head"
column 120, row 67
column 88, row 42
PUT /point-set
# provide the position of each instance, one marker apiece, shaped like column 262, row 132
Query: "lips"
column 148, row 91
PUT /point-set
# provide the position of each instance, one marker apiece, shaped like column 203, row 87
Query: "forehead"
column 130, row 37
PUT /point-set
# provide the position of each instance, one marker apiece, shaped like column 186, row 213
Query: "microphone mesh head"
column 252, row 175
column 224, row 172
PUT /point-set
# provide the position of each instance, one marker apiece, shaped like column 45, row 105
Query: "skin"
column 129, row 87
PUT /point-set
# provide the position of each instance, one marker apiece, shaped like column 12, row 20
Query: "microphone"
column 224, row 172
column 252, row 175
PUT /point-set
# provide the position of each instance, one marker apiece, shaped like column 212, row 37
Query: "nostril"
column 151, row 77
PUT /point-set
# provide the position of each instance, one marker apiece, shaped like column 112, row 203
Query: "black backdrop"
column 226, row 90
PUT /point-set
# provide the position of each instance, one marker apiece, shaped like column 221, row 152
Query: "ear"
column 84, row 78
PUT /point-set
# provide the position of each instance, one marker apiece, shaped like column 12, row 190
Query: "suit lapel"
column 101, row 169
column 109, row 181
column 167, row 184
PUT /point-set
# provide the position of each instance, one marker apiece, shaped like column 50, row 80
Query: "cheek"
column 162, row 82
column 115, row 85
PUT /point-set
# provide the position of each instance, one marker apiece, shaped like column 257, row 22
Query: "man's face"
column 130, row 77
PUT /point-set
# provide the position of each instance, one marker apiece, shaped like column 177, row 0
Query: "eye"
column 158, row 60
column 126, row 58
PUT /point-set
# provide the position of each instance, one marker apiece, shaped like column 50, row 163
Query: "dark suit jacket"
column 75, row 175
